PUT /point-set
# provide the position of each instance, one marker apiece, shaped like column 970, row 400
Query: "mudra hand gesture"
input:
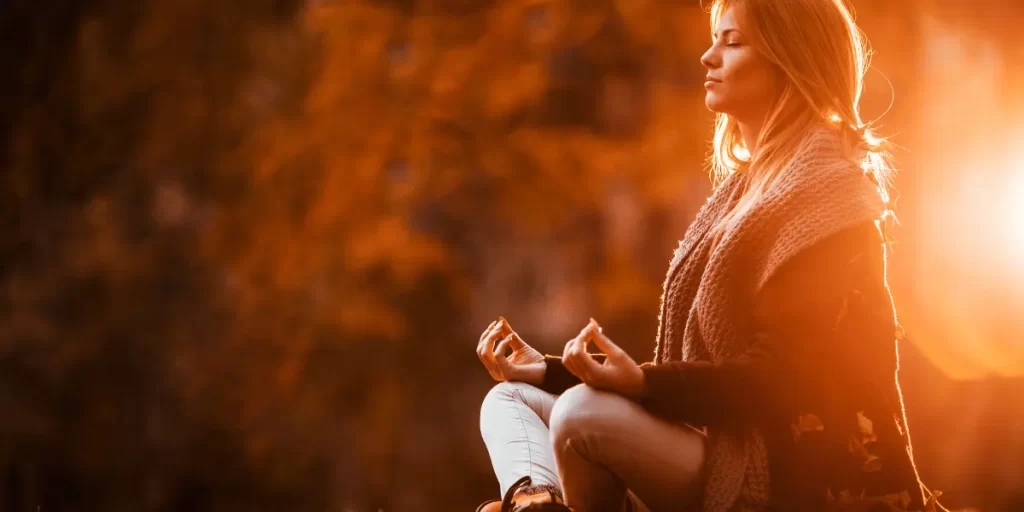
column 524, row 364
column 618, row 373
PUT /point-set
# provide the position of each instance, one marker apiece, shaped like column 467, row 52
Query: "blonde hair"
column 822, row 57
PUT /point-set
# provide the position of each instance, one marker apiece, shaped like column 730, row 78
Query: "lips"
column 711, row 79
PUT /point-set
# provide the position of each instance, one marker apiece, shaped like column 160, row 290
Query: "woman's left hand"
column 618, row 373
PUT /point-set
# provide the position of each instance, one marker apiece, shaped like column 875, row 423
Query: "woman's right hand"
column 524, row 364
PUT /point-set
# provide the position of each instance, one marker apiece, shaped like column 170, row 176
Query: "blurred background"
column 248, row 247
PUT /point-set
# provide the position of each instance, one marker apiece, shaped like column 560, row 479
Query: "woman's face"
column 741, row 82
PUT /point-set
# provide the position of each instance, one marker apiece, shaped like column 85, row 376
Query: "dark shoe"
column 490, row 506
column 544, row 500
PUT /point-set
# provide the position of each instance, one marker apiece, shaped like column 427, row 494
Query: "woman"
column 773, row 384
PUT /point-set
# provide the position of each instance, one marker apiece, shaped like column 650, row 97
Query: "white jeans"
column 595, row 446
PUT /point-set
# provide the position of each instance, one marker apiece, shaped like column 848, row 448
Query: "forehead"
column 726, row 16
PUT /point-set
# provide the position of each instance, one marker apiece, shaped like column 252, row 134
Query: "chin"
column 714, row 104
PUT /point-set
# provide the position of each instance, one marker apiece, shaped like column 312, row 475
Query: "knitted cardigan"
column 708, row 293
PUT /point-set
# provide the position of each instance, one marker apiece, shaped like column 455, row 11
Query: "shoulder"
column 820, row 175
column 838, row 262
column 852, row 244
column 820, row 201
column 841, row 246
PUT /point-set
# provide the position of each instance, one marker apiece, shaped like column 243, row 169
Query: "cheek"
column 747, row 73
column 749, row 84
column 757, row 88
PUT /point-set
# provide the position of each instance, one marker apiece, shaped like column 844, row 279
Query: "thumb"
column 516, row 342
column 604, row 344
column 499, row 351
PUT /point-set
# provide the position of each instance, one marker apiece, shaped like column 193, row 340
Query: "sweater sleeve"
column 557, row 377
column 795, row 318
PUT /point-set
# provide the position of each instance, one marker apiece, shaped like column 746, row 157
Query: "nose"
column 710, row 58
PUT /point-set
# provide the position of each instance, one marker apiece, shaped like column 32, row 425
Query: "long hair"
column 822, row 57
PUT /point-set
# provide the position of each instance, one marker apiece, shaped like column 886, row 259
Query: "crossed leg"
column 593, row 445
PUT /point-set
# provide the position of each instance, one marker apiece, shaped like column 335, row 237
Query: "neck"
column 750, row 131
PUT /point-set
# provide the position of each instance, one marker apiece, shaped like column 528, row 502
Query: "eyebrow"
column 726, row 32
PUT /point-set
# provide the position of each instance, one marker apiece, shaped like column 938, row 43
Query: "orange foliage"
column 253, row 243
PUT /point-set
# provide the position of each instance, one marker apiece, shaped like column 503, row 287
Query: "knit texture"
column 707, row 301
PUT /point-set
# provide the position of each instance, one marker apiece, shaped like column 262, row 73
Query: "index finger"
column 590, row 334
column 587, row 333
column 516, row 343
column 487, row 330
column 486, row 345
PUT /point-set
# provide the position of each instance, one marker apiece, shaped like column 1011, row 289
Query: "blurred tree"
column 219, row 217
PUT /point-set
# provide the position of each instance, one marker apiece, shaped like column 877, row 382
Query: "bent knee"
column 500, row 396
column 582, row 409
column 502, row 392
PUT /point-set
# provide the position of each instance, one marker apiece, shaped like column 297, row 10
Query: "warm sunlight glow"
column 998, row 205
column 970, row 278
column 962, row 280
column 1015, row 205
column 872, row 140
